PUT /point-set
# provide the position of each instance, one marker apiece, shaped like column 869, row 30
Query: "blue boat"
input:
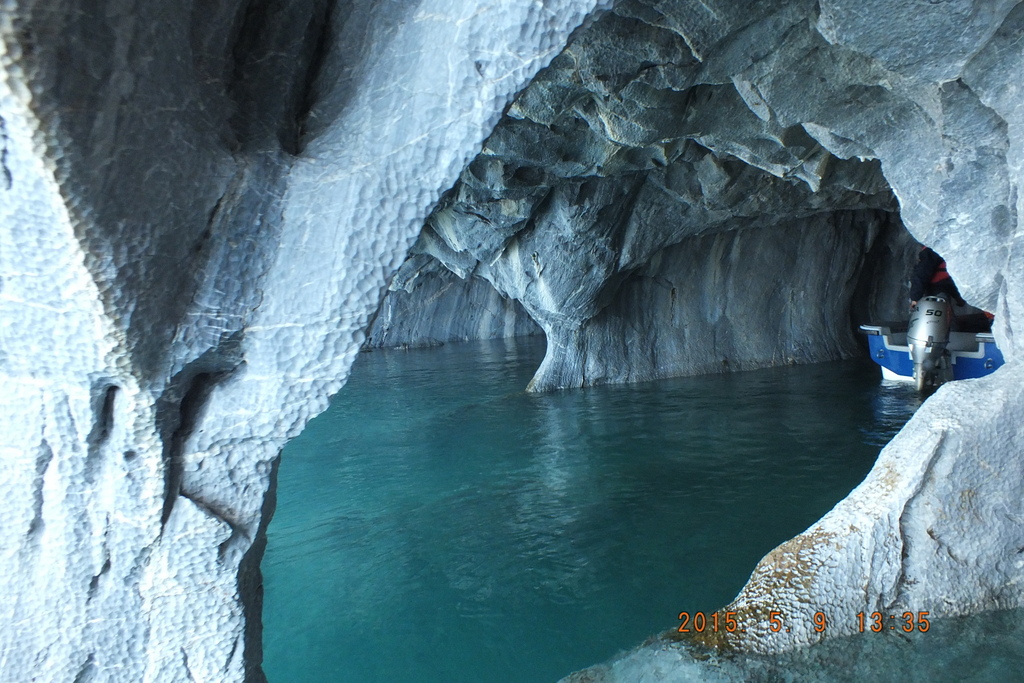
column 967, row 354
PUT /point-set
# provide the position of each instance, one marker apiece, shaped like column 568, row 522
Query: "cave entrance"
column 439, row 523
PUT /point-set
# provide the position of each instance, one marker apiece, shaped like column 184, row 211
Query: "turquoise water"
column 437, row 523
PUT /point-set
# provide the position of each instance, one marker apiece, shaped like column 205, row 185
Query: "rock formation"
column 202, row 206
column 431, row 305
column 629, row 170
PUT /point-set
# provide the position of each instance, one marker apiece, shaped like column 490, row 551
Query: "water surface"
column 437, row 523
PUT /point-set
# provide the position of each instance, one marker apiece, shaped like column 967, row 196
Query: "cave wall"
column 431, row 305
column 632, row 143
column 736, row 300
column 201, row 206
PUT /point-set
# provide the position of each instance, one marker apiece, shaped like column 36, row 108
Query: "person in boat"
column 930, row 278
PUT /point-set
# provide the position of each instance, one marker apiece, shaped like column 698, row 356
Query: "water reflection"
column 893, row 404
column 437, row 523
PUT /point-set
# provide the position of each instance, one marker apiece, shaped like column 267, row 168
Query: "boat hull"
column 971, row 354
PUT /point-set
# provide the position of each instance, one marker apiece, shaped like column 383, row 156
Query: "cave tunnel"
column 209, row 209
column 696, row 238
column 700, row 240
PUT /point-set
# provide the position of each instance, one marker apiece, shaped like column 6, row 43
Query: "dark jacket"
column 930, row 278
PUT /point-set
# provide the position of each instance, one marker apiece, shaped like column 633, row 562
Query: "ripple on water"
column 437, row 523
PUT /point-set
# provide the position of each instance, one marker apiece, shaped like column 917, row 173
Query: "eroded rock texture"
column 201, row 205
column 430, row 305
column 642, row 201
column 926, row 90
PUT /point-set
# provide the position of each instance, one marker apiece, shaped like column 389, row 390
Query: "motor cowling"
column 927, row 336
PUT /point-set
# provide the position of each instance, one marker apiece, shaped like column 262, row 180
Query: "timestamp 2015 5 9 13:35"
column 906, row 622
column 699, row 622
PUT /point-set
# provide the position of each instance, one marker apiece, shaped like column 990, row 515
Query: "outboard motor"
column 927, row 336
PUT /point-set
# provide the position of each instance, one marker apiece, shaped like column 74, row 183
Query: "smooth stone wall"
column 436, row 306
column 740, row 300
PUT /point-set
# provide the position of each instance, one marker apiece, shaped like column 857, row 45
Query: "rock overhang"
column 212, row 228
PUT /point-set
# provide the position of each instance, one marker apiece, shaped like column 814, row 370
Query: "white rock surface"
column 79, row 461
column 201, row 206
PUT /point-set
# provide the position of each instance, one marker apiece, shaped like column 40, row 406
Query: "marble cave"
column 208, row 209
